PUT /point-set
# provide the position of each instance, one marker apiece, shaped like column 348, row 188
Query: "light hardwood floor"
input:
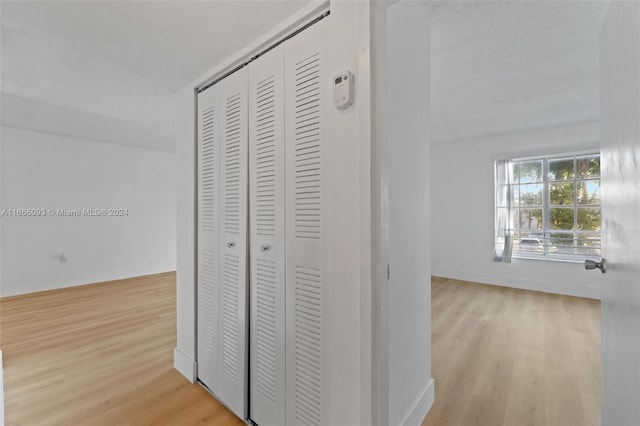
column 103, row 355
column 503, row 356
column 99, row 355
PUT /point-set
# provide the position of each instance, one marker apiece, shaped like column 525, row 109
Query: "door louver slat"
column 232, row 165
column 266, row 329
column 266, row 159
column 230, row 317
column 308, row 343
column 209, row 295
column 207, row 200
column 307, row 148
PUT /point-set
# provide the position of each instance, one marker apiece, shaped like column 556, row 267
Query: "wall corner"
column 186, row 217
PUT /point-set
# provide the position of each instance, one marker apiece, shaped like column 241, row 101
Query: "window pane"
column 561, row 194
column 588, row 167
column 589, row 244
column 561, row 243
column 588, row 192
column 531, row 194
column 561, row 218
column 516, row 239
column 515, row 195
column 530, row 171
column 561, row 169
column 516, row 171
column 589, row 219
column 530, row 219
column 531, row 245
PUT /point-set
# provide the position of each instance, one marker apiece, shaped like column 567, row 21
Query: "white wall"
column 406, row 389
column 41, row 170
column 184, row 355
column 463, row 212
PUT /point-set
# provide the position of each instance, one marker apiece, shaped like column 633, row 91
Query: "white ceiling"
column 512, row 66
column 108, row 70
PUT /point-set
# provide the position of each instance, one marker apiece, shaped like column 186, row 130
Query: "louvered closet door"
column 233, row 332
column 209, row 122
column 307, row 93
column 267, row 251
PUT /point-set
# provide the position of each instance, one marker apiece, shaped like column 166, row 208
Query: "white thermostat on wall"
column 343, row 90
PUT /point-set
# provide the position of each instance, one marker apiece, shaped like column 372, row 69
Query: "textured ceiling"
column 107, row 70
column 512, row 66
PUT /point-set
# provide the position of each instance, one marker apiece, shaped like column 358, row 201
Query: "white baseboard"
column 1, row 393
column 25, row 287
column 521, row 283
column 185, row 365
column 421, row 406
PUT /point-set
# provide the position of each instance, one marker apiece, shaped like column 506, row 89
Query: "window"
column 555, row 206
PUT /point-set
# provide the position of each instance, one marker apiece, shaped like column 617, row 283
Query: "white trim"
column 185, row 365
column 573, row 259
column 555, row 155
column 379, row 218
column 553, row 287
column 1, row 393
column 421, row 406
column 364, row 107
column 287, row 27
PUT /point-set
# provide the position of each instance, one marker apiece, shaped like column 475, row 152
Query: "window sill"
column 554, row 259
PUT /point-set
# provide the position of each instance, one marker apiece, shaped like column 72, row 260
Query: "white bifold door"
column 209, row 113
column 287, row 87
column 307, row 98
column 267, row 238
column 265, row 123
column 222, row 241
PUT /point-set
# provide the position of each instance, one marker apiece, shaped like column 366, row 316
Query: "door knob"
column 231, row 245
column 592, row 264
column 265, row 247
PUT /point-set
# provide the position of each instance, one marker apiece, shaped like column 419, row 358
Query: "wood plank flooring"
column 503, row 356
column 103, row 355
column 99, row 355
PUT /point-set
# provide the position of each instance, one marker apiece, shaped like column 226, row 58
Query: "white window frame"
column 546, row 230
